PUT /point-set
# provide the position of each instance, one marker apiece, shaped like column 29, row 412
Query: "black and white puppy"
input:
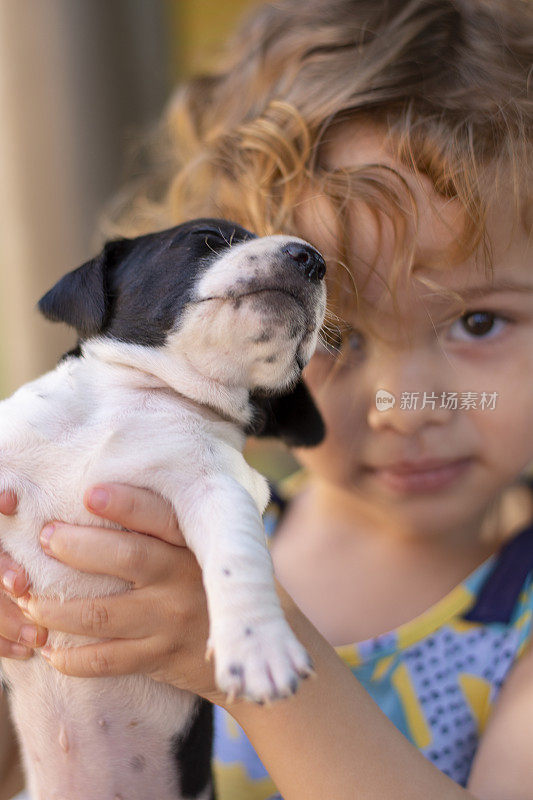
column 189, row 339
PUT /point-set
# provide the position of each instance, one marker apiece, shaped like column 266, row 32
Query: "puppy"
column 189, row 339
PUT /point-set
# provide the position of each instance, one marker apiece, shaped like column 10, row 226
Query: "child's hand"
column 160, row 626
column 17, row 636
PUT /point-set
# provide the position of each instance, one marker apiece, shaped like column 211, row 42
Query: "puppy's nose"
column 307, row 260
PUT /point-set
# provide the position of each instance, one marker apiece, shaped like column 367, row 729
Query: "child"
column 396, row 137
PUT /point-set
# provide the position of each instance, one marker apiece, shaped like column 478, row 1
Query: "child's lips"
column 422, row 476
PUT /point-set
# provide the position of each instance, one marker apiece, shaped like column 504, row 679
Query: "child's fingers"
column 134, row 557
column 115, row 616
column 14, row 650
column 15, row 628
column 114, row 657
column 136, row 509
column 8, row 502
column 14, row 579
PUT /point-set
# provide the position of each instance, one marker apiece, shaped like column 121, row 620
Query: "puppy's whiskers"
column 209, row 246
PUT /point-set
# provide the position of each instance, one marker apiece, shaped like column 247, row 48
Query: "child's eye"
column 354, row 341
column 477, row 325
column 330, row 341
column 343, row 344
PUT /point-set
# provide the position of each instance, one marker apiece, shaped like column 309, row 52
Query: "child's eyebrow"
column 497, row 286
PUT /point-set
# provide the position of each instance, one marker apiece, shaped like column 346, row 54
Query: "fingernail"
column 8, row 579
column 98, row 499
column 9, row 500
column 46, row 652
column 28, row 635
column 46, row 535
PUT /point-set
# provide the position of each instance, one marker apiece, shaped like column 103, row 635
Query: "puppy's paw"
column 262, row 662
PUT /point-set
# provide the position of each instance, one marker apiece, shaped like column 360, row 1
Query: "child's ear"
column 293, row 417
column 81, row 297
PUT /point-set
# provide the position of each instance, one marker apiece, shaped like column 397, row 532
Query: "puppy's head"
column 244, row 311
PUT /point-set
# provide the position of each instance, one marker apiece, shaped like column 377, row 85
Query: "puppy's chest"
column 52, row 435
column 55, row 443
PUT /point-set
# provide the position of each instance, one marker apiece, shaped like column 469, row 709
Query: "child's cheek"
column 507, row 434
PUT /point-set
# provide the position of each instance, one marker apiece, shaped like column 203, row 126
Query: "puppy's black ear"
column 293, row 417
column 81, row 297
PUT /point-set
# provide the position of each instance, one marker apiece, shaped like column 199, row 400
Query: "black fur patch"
column 192, row 753
column 293, row 417
column 135, row 289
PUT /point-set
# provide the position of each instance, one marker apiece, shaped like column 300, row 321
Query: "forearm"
column 332, row 741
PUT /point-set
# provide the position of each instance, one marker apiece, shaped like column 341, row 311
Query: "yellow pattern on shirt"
column 232, row 782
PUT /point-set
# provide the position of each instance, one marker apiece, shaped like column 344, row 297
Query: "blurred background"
column 79, row 81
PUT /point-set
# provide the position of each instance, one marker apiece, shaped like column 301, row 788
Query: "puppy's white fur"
column 169, row 419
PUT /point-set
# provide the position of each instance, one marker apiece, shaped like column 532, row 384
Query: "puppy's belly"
column 99, row 739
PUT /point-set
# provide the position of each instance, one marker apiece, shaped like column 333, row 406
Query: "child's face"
column 432, row 349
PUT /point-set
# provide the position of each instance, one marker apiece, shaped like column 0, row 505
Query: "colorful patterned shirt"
column 436, row 677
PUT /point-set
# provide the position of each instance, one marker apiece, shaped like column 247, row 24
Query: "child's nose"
column 408, row 394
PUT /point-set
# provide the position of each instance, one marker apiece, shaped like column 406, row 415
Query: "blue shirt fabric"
column 436, row 677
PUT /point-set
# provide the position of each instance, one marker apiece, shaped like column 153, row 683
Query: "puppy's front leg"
column 256, row 653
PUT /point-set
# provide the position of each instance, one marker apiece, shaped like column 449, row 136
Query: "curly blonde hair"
column 447, row 80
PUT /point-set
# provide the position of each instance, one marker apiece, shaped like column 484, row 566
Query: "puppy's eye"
column 212, row 238
column 208, row 232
